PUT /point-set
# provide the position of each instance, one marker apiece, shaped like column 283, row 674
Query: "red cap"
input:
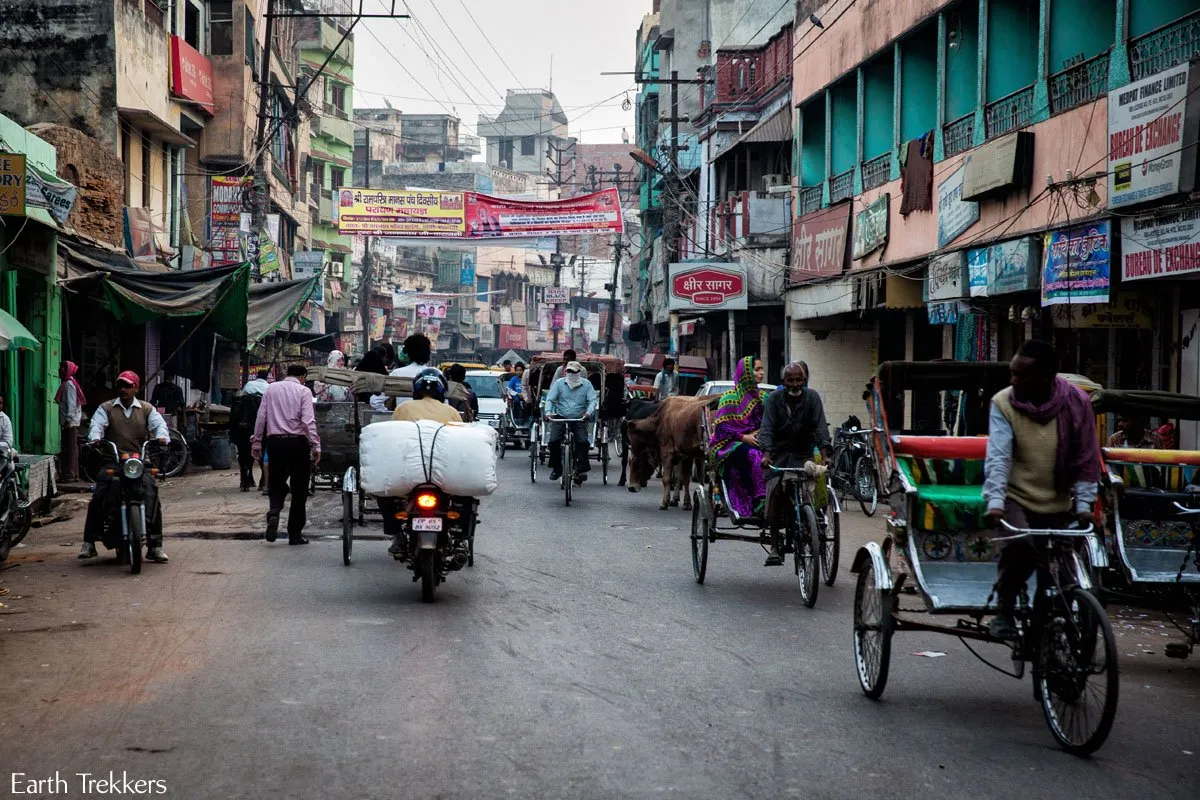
column 130, row 377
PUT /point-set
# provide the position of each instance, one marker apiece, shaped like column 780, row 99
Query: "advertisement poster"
column 707, row 286
column 512, row 337
column 12, row 184
column 1076, row 264
column 51, row 193
column 306, row 264
column 1004, row 268
column 819, row 243
column 473, row 216
column 1161, row 245
column 1148, row 122
column 871, row 227
column 955, row 215
column 226, row 204
column 432, row 310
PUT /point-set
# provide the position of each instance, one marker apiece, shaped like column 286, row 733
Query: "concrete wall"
column 840, row 366
column 143, row 63
column 57, row 61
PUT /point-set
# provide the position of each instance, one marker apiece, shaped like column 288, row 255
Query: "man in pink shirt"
column 286, row 427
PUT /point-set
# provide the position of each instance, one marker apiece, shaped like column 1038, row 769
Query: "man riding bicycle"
column 572, row 397
column 793, row 427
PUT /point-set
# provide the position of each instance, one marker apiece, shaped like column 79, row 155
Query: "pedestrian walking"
column 6, row 428
column 286, row 427
column 70, row 401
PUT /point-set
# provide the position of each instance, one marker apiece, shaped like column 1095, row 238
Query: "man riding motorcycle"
column 128, row 423
column 793, row 426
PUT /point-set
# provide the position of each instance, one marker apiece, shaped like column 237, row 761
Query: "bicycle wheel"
column 831, row 545
column 8, row 501
column 1077, row 671
column 806, row 543
column 604, row 457
column 568, row 467
column 91, row 462
column 347, row 526
column 534, row 447
column 873, row 627
column 700, row 533
column 839, row 473
column 866, row 488
column 170, row 460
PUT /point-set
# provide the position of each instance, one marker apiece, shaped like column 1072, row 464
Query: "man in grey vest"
column 128, row 423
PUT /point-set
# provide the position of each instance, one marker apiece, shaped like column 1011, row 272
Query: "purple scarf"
column 1078, row 452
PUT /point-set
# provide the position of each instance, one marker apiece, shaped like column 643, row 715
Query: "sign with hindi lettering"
column 707, row 286
column 819, row 243
column 955, row 215
column 1004, row 268
column 1076, row 265
column 871, row 227
column 946, row 278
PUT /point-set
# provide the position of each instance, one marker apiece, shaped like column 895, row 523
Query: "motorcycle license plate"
column 427, row 523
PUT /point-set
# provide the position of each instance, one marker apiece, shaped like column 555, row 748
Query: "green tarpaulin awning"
column 272, row 304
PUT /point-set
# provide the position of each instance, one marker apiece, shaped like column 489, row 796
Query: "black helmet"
column 429, row 383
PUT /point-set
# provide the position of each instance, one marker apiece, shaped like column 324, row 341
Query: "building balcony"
column 743, row 219
column 325, row 208
column 808, row 200
column 1166, row 47
column 1009, row 113
column 841, row 186
column 330, row 36
column 959, row 135
column 334, row 125
column 1078, row 84
column 877, row 171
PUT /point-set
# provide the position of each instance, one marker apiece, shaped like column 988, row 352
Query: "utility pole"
column 258, row 208
column 673, row 204
column 612, row 295
column 556, row 259
column 368, row 263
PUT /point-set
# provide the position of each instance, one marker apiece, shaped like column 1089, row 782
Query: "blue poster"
column 467, row 274
column 1076, row 265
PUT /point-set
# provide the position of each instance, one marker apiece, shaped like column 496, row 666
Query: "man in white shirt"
column 258, row 384
column 6, row 429
column 418, row 350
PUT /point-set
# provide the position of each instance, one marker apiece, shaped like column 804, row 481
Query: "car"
column 721, row 387
column 486, row 385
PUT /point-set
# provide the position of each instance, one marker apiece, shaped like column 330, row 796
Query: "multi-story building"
column 434, row 139
column 530, row 135
column 962, row 171
column 377, row 130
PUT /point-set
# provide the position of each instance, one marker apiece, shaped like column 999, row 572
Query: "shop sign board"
column 1127, row 311
column 871, row 227
column 946, row 278
column 1076, row 265
column 1161, row 245
column 1152, row 129
column 1004, row 268
column 819, row 243
column 955, row 215
column 12, row 185
column 191, row 74
column 556, row 295
column 707, row 286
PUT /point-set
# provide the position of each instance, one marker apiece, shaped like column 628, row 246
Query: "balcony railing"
column 877, row 171
column 1162, row 49
column 1079, row 84
column 958, row 135
column 1009, row 113
column 809, row 200
column 334, row 111
column 841, row 186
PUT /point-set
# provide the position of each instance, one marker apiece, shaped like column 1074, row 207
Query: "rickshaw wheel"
column 700, row 536
column 502, row 439
column 806, row 541
column 866, row 488
column 831, row 546
column 533, row 460
column 873, row 628
column 347, row 526
column 604, row 456
column 1077, row 670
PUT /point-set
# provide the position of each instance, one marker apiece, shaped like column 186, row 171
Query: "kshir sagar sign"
column 707, row 286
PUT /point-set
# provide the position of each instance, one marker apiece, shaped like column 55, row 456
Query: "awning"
column 153, row 124
column 775, row 128
column 270, row 305
column 135, row 295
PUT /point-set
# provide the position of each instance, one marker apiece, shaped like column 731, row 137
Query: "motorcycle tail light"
column 427, row 501
column 452, row 515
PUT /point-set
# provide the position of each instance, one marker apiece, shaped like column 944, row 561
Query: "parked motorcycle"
column 440, row 532
column 15, row 515
column 125, row 530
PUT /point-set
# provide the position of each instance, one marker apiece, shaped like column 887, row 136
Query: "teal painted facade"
column 961, row 61
column 918, row 84
column 1012, row 34
column 843, row 127
column 1080, row 28
column 1149, row 15
column 812, row 142
column 878, row 104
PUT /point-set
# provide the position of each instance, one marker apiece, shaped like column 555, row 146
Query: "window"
column 506, row 153
column 481, row 287
column 251, row 57
column 337, row 178
column 192, row 26
column 337, row 96
column 528, row 145
column 220, row 30
column 154, row 12
column 319, row 174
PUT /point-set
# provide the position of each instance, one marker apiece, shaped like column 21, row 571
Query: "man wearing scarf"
column 572, row 396
column 1042, row 466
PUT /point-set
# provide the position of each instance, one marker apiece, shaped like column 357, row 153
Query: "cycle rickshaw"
column 811, row 533
column 1151, row 503
column 936, row 540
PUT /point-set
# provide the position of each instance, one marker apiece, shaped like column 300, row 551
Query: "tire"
column 873, row 628
column 534, row 447
column 172, row 459
column 831, row 546
column 604, row 456
column 347, row 526
column 568, row 470
column 866, row 488
column 839, row 475
column 1076, row 631
column 471, row 551
column 428, row 567
column 807, row 557
column 133, row 515
column 502, row 439
column 12, row 532
column 700, row 534
column 91, row 461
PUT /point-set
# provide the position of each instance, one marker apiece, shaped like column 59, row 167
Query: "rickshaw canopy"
column 1146, row 403
column 363, row 382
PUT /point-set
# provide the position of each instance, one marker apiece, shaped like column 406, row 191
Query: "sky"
column 584, row 37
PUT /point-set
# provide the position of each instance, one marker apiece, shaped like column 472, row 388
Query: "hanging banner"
column 51, row 193
column 474, row 216
column 1161, row 245
column 227, row 198
column 512, row 337
column 268, row 253
column 435, row 310
column 306, row 264
column 1076, row 265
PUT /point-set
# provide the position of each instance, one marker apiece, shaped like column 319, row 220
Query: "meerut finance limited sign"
column 707, row 286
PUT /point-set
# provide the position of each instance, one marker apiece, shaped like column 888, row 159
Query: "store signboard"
column 1163, row 245
column 871, row 227
column 1004, row 268
column 707, row 286
column 955, row 215
column 946, row 278
column 1076, row 265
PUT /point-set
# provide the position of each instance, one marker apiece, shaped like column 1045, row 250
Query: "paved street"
column 577, row 659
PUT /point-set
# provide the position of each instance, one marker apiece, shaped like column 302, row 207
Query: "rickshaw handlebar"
column 1185, row 510
column 1024, row 533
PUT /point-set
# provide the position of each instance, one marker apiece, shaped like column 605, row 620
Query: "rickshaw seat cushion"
column 945, row 447
column 950, row 508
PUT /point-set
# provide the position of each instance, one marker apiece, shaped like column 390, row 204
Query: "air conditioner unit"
column 769, row 181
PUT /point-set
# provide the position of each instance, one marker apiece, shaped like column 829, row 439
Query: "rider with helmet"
column 429, row 402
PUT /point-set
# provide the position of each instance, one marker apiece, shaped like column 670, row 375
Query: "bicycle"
column 804, row 534
column 567, row 477
column 852, row 469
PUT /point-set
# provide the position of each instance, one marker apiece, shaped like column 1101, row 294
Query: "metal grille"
column 841, row 186
column 1164, row 48
column 1079, row 84
column 958, row 135
column 1009, row 113
column 809, row 199
column 877, row 171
